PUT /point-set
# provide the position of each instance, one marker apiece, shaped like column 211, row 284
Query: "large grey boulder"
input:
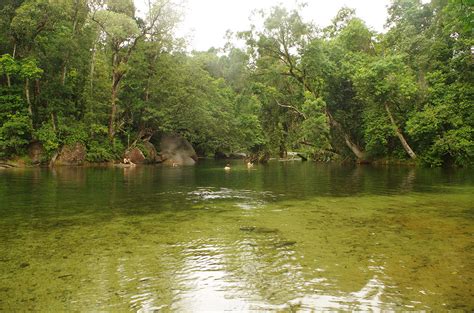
column 175, row 150
column 150, row 152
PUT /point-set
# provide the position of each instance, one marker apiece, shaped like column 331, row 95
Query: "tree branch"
column 289, row 107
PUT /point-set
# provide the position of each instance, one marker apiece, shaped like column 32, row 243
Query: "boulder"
column 238, row 156
column 233, row 155
column 36, row 152
column 74, row 154
column 220, row 155
column 150, row 152
column 259, row 157
column 175, row 150
column 135, row 155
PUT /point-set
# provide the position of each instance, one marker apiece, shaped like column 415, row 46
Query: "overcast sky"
column 206, row 21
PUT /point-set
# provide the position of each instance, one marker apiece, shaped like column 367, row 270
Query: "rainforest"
column 98, row 75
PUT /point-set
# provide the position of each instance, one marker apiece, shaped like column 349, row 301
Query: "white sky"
column 206, row 21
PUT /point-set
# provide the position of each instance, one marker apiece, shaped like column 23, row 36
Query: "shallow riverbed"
column 284, row 236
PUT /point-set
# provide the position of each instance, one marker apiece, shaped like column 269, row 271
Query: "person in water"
column 227, row 167
column 249, row 164
column 128, row 161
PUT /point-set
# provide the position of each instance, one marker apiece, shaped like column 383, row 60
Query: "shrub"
column 15, row 135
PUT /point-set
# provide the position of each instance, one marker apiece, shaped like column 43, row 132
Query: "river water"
column 287, row 236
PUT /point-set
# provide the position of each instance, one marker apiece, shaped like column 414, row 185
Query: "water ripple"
column 209, row 193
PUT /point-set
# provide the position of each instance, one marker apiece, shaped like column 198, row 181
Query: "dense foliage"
column 94, row 72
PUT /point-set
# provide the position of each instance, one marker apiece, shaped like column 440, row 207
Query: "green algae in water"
column 278, row 238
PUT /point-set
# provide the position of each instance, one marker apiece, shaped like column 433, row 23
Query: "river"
column 287, row 236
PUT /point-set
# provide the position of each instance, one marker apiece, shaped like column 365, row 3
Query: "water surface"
column 282, row 237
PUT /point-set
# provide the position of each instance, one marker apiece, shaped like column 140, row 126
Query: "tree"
column 8, row 67
column 288, row 47
column 333, row 62
column 95, row 72
column 437, row 41
column 29, row 70
column 122, row 32
column 388, row 83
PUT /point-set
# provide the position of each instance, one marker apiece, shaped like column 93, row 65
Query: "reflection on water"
column 206, row 285
column 283, row 237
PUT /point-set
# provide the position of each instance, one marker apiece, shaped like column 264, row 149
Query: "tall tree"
column 122, row 32
column 388, row 83
column 347, row 46
column 284, row 47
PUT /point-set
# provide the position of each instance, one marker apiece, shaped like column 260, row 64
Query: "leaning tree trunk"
column 400, row 136
column 347, row 139
column 356, row 150
column 350, row 144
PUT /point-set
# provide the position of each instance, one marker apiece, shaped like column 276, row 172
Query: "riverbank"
column 25, row 162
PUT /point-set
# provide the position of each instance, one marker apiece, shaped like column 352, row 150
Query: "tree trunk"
column 92, row 69
column 358, row 152
column 27, row 95
column 63, row 74
column 66, row 59
column 116, row 78
column 347, row 139
column 354, row 148
column 147, row 92
column 76, row 15
column 283, row 153
column 9, row 83
column 53, row 122
column 14, row 50
column 53, row 159
column 113, row 111
column 400, row 136
column 37, row 88
column 150, row 75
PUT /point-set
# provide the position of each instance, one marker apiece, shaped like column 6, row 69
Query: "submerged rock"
column 24, row 264
column 247, row 228
column 285, row 244
column 65, row 276
column 175, row 150
column 259, row 230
